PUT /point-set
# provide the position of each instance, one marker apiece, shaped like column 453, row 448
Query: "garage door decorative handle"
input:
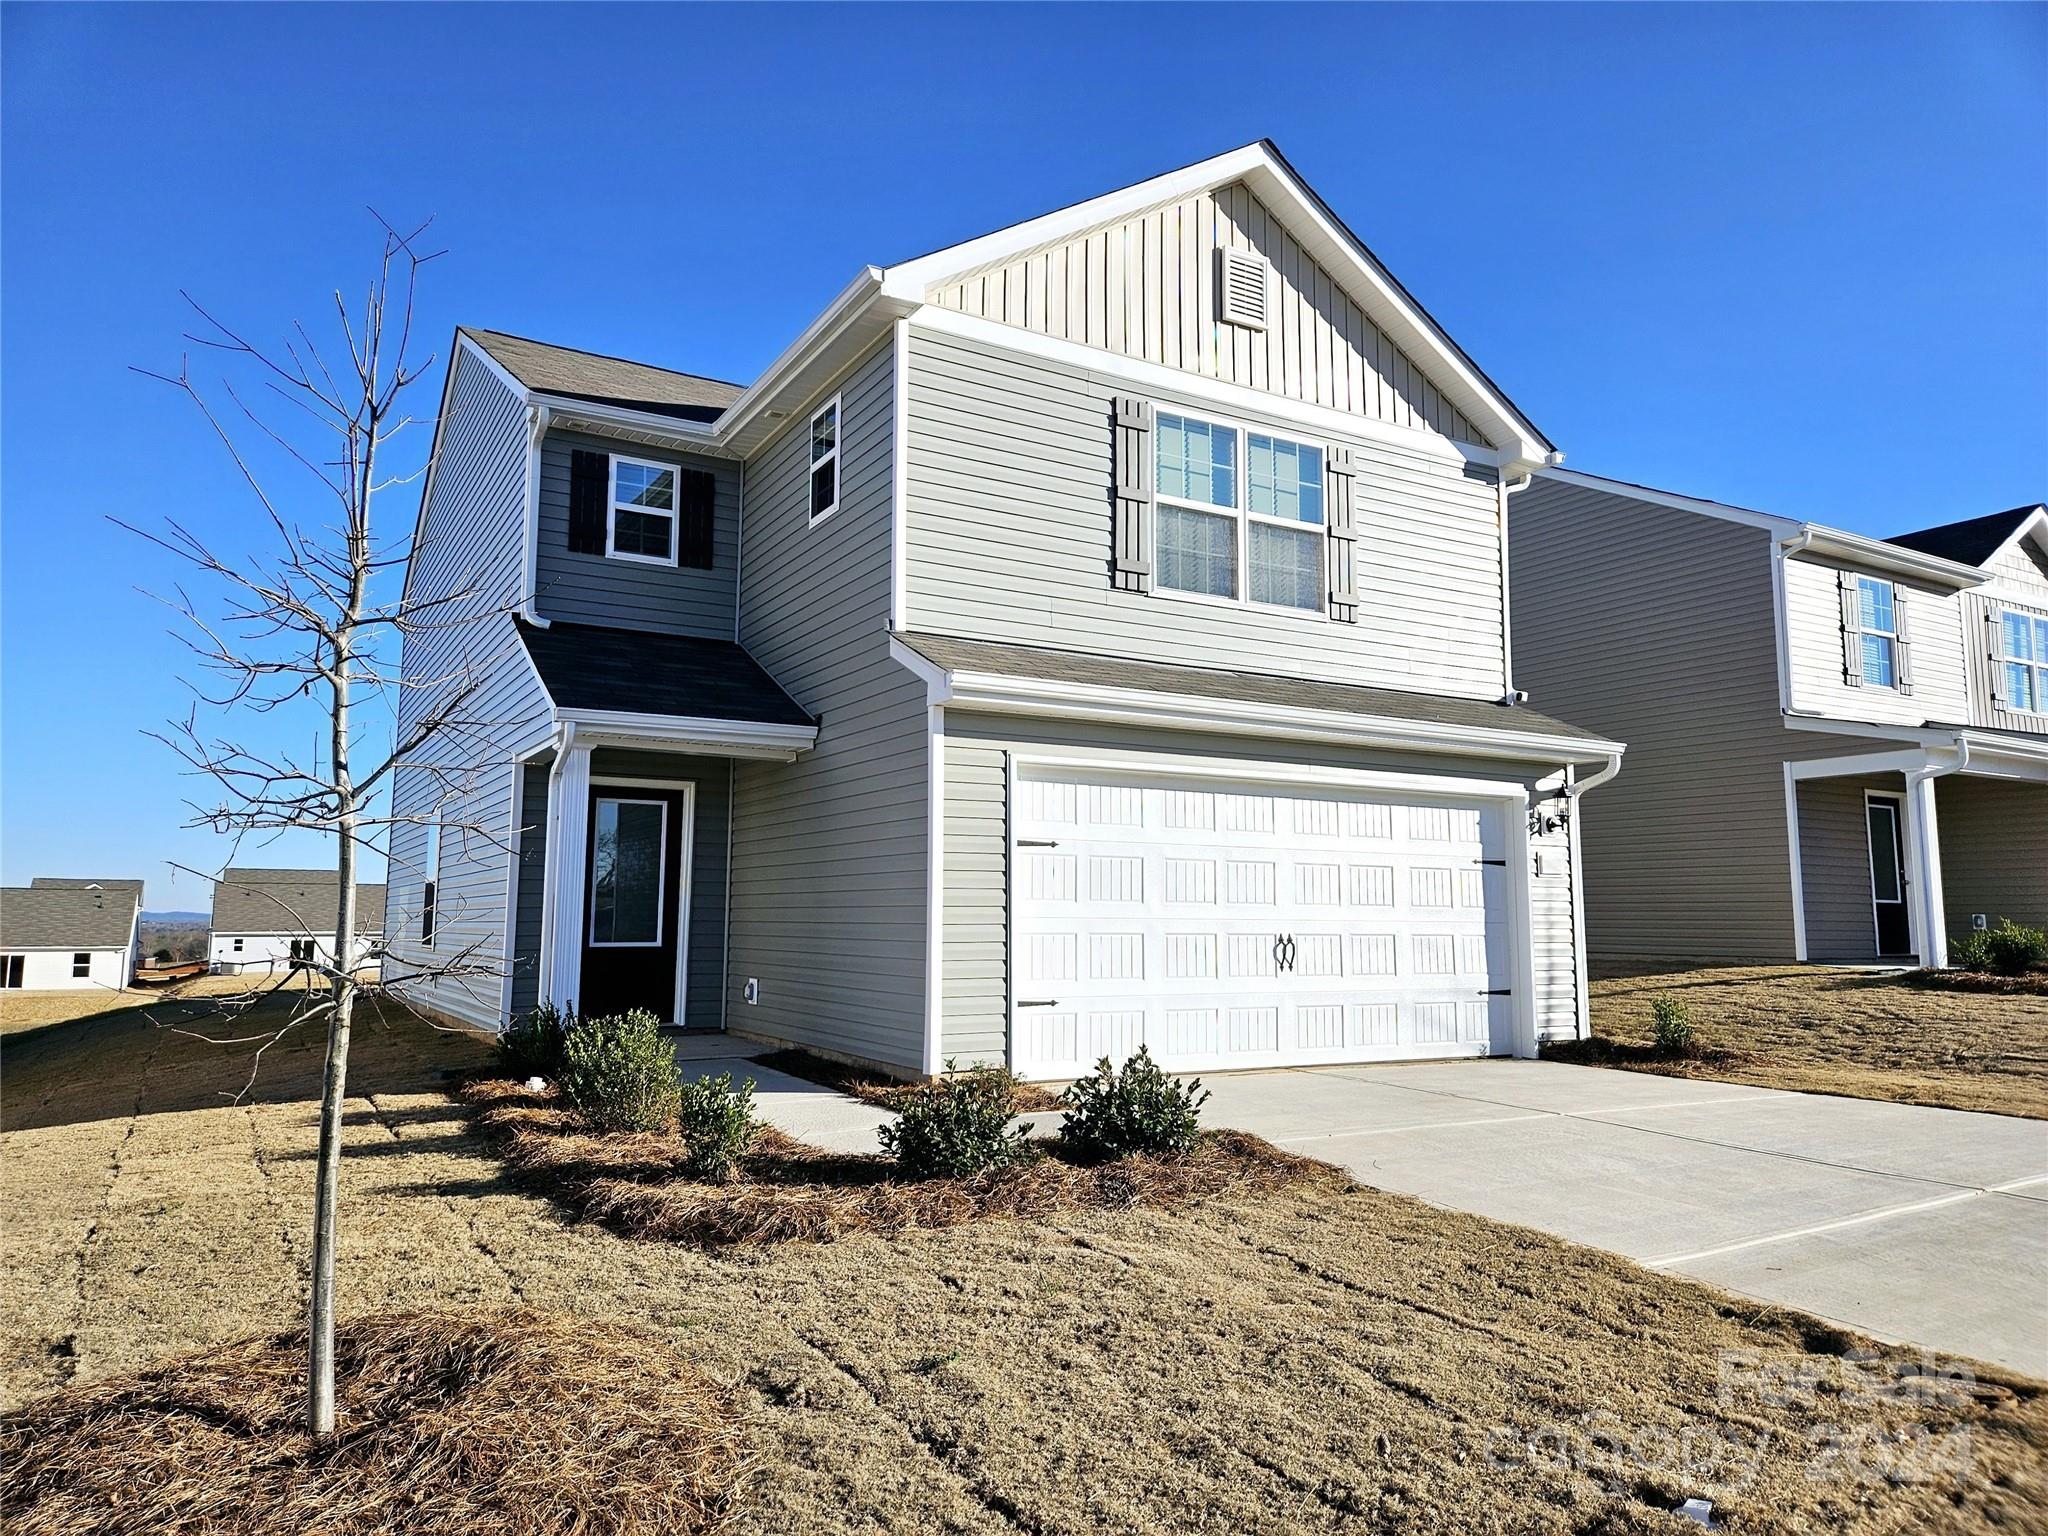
column 1283, row 952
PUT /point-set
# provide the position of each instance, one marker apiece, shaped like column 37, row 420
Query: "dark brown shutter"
column 696, row 490
column 1131, row 543
column 1343, row 537
column 1852, row 644
column 590, row 487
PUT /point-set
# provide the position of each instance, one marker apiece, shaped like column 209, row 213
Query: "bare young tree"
column 310, row 627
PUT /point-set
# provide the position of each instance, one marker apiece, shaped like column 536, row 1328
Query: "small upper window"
column 238, row 946
column 1877, row 632
column 81, row 964
column 825, row 461
column 2023, row 660
column 642, row 525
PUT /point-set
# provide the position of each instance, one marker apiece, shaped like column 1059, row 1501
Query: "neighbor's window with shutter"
column 1876, row 632
column 642, row 525
column 2023, row 661
column 825, row 461
column 1235, row 503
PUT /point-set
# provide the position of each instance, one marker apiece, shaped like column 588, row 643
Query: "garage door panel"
column 1223, row 926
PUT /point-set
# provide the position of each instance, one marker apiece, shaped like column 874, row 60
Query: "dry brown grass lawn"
column 1868, row 1036
column 1325, row 1359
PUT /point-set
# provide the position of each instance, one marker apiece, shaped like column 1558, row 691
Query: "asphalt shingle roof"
column 592, row 376
column 587, row 666
column 69, row 914
column 1972, row 541
column 288, row 901
column 1239, row 687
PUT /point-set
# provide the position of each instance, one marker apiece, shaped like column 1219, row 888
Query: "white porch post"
column 565, row 876
column 1923, row 852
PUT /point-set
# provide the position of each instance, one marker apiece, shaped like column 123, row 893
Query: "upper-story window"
column 1877, row 632
column 825, row 461
column 1240, row 515
column 2023, row 660
column 642, row 524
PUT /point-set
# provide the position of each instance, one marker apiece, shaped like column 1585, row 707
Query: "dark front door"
column 633, row 900
column 1888, row 877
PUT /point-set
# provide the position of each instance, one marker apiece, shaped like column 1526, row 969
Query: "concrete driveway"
column 1922, row 1226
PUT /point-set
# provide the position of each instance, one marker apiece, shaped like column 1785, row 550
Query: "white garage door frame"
column 1509, row 796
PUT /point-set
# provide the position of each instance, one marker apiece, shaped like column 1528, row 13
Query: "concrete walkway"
column 824, row 1117
column 1925, row 1226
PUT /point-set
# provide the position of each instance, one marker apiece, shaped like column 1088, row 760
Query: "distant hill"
column 184, row 934
column 177, row 918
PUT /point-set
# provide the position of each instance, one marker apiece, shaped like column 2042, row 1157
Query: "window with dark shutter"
column 696, row 490
column 590, row 486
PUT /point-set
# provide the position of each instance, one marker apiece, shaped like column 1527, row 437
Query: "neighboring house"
column 272, row 919
column 63, row 935
column 1838, row 745
column 1091, row 634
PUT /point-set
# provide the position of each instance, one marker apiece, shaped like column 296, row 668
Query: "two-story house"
column 1838, row 744
column 1091, row 634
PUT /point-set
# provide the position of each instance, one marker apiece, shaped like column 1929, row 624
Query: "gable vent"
column 1241, row 289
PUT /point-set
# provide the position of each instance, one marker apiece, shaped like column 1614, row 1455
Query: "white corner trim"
column 1781, row 627
column 935, row 892
column 899, row 480
column 1798, row 876
column 537, row 420
column 1150, row 378
column 936, row 681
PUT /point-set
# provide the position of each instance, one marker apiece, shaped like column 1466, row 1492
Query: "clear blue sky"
column 1791, row 257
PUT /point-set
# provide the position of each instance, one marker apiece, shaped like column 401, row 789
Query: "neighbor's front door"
column 1888, row 876
column 634, row 899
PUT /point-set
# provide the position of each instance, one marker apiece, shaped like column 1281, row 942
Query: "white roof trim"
column 710, row 735
column 1274, row 183
column 2035, row 526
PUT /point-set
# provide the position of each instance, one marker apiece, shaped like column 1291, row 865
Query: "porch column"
column 566, row 876
column 1923, row 852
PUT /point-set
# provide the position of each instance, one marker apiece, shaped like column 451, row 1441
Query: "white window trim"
column 1244, row 516
column 1891, row 634
column 590, row 937
column 613, row 506
column 833, row 458
column 2039, row 664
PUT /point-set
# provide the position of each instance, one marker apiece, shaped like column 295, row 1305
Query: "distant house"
column 271, row 919
column 65, row 935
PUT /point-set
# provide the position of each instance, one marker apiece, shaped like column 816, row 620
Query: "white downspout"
column 1574, row 786
column 551, row 838
column 537, row 417
column 1509, row 693
column 1923, row 838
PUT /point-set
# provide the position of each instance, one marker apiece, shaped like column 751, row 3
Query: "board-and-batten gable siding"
column 1145, row 287
column 472, row 540
column 828, row 864
column 1009, row 536
column 1994, row 850
column 1834, row 864
column 633, row 594
column 1653, row 626
column 1813, row 624
column 975, row 956
column 2019, row 579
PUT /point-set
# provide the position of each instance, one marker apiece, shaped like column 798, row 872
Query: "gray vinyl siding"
column 1834, row 865
column 471, row 541
column 1145, row 287
column 631, row 594
column 704, row 992
column 828, row 879
column 2019, row 579
column 1654, row 627
column 1994, row 850
column 1009, row 486
column 975, row 957
column 531, row 891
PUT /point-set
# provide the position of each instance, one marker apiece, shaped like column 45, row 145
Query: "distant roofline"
column 607, row 357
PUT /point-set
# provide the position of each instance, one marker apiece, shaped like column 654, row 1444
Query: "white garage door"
column 1243, row 925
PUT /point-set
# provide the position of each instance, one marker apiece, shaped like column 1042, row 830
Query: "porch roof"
column 587, row 667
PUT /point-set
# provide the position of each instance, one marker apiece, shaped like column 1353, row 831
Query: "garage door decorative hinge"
column 1038, row 1002
column 1501, row 863
column 1499, row 992
column 1037, row 842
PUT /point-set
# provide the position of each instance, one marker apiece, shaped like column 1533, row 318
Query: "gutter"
column 1877, row 554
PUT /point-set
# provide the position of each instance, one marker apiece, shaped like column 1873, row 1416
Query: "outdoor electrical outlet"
column 753, row 992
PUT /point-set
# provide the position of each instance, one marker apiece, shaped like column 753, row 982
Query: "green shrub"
column 2007, row 950
column 531, row 1045
column 1671, row 1027
column 717, row 1122
column 957, row 1126
column 620, row 1072
column 1140, row 1109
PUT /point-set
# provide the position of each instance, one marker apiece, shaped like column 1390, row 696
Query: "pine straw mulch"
column 891, row 1093
column 517, row 1423
column 638, row 1185
column 2031, row 984
column 1602, row 1051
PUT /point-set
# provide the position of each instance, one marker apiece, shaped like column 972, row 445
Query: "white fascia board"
column 2035, row 526
column 1878, row 555
column 1239, row 399
column 716, row 737
column 1276, row 185
column 571, row 414
column 862, row 315
column 1081, row 701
